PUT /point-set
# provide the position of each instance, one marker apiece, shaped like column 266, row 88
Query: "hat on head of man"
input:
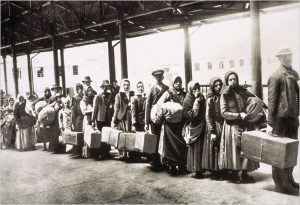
column 56, row 86
column 105, row 83
column 87, row 79
column 158, row 72
column 285, row 51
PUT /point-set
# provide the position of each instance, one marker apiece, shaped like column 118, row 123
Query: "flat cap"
column 158, row 72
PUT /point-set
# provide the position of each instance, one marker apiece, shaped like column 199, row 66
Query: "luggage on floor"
column 92, row 137
column 73, row 138
column 280, row 152
column 127, row 141
column 146, row 142
column 111, row 136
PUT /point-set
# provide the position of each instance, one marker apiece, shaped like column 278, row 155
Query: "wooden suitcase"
column 110, row 136
column 127, row 141
column 280, row 152
column 92, row 137
column 146, row 142
column 73, row 138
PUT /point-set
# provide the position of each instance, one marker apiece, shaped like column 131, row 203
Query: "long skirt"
column 54, row 133
column 174, row 148
column 8, row 132
column 25, row 139
column 230, row 151
column 125, row 123
column 78, row 123
column 211, row 148
column 194, row 156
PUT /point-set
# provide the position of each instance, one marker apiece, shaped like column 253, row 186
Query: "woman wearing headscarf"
column 86, row 106
column 194, row 129
column 46, row 97
column 25, row 124
column 177, row 90
column 122, row 107
column 233, row 110
column 214, row 123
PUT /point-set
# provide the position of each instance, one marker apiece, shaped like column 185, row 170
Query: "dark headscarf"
column 49, row 95
column 227, row 89
column 88, row 99
column 212, row 82
column 192, row 85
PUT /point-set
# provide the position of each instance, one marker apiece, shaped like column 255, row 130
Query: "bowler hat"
column 285, row 51
column 55, row 86
column 87, row 79
column 158, row 72
column 105, row 83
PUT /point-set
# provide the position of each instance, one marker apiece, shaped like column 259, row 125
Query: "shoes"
column 294, row 184
column 173, row 171
column 287, row 189
column 199, row 175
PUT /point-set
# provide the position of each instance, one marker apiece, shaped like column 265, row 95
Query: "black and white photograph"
column 149, row 102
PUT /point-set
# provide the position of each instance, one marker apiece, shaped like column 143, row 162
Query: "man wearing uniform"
column 153, row 97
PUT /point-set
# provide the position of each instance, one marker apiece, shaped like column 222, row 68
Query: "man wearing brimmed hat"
column 283, row 112
column 103, row 112
column 86, row 83
column 55, row 89
column 76, row 113
column 153, row 97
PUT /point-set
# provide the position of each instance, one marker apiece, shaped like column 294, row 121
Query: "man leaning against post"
column 283, row 113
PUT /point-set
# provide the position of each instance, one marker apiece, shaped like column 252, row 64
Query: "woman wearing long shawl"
column 122, row 107
column 25, row 120
column 233, row 108
column 172, row 146
column 214, row 123
column 8, row 126
column 177, row 90
column 194, row 130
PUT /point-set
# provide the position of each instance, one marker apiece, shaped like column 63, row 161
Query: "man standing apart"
column 283, row 112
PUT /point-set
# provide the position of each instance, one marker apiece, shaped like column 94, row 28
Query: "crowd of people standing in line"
column 195, row 134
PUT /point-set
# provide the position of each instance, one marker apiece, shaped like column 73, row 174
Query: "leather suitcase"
column 92, row 137
column 280, row 152
column 127, row 141
column 73, row 138
column 114, row 137
column 146, row 142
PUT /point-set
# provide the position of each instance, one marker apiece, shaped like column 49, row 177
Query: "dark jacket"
column 76, row 113
column 283, row 95
column 103, row 108
column 122, row 104
column 152, row 99
column 194, row 113
column 178, row 97
column 138, row 109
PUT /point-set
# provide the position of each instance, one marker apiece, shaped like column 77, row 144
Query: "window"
column 40, row 72
column 197, row 66
column 241, row 62
column 231, row 63
column 221, row 64
column 75, row 69
column 209, row 65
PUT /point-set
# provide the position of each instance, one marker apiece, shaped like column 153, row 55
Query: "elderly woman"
column 25, row 124
column 122, row 108
column 233, row 110
column 214, row 121
column 194, row 130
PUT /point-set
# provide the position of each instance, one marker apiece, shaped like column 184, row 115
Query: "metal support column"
column 123, row 51
column 55, row 60
column 15, row 70
column 187, row 54
column 63, row 74
column 5, row 73
column 255, row 49
column 29, row 74
column 111, row 59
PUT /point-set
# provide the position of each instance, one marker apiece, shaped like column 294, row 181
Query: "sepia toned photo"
column 149, row 102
